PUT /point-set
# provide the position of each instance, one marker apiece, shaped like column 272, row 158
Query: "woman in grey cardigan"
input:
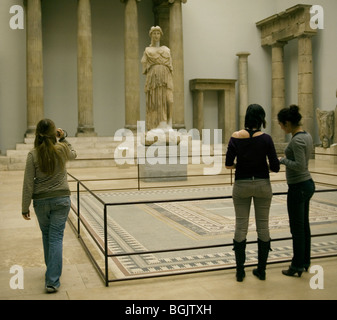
column 45, row 182
column 301, row 187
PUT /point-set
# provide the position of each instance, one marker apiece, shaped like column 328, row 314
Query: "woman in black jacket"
column 251, row 148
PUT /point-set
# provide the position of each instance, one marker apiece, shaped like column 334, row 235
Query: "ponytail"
column 45, row 140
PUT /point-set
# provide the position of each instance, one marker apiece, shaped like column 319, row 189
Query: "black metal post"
column 78, row 209
column 106, row 247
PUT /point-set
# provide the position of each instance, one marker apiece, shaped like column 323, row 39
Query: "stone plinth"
column 327, row 154
column 163, row 163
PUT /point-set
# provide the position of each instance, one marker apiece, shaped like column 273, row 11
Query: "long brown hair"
column 45, row 145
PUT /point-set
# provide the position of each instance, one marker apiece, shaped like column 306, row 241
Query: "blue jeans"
column 298, row 199
column 244, row 191
column 52, row 215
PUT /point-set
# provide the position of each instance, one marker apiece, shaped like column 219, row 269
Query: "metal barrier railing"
column 135, row 160
column 104, row 272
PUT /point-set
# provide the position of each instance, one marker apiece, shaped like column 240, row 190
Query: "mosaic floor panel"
column 196, row 223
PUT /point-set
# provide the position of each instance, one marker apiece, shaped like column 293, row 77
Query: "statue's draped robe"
column 157, row 65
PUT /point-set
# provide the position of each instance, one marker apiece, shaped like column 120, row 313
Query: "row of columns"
column 276, row 31
column 305, row 85
column 35, row 107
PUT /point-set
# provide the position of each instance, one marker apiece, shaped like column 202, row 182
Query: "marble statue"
column 157, row 66
column 325, row 121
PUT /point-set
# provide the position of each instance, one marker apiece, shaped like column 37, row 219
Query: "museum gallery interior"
column 150, row 93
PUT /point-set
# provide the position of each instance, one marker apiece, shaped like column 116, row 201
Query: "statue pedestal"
column 327, row 154
column 163, row 163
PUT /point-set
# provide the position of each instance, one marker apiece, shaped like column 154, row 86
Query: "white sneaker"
column 51, row 289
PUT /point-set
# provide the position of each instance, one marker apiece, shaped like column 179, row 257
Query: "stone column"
column 35, row 110
column 177, row 53
column 198, row 110
column 243, row 86
column 131, row 67
column 162, row 18
column 305, row 82
column 84, row 70
column 278, row 92
column 230, row 111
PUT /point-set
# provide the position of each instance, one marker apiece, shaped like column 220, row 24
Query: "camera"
column 58, row 134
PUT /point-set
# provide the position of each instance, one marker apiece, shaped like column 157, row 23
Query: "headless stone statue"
column 325, row 121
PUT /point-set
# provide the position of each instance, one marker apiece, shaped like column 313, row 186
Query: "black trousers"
column 298, row 200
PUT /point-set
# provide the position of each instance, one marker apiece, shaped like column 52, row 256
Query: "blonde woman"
column 45, row 182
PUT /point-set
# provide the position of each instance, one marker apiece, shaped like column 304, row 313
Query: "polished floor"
column 20, row 245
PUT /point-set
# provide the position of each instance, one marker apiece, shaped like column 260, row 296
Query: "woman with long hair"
column 301, row 187
column 45, row 182
column 252, row 148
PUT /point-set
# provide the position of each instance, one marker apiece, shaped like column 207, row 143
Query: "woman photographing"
column 45, row 182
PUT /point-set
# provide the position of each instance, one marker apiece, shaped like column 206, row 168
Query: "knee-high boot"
column 240, row 257
column 263, row 252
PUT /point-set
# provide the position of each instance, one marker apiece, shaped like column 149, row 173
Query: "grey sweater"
column 38, row 185
column 297, row 155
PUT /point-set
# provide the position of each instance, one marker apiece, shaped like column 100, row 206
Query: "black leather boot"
column 291, row 272
column 263, row 252
column 240, row 257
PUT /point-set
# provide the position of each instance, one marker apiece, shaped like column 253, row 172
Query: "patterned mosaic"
column 175, row 225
